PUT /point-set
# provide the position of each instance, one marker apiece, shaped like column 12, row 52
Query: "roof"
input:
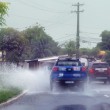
column 53, row 58
column 31, row 60
column 48, row 58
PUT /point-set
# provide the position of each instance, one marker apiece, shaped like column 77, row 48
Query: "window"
column 100, row 65
column 68, row 63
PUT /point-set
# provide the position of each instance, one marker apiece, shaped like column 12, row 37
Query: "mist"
column 39, row 81
column 25, row 79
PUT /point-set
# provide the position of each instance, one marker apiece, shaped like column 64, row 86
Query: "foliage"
column 89, row 52
column 39, row 43
column 70, row 47
column 3, row 12
column 13, row 43
column 28, row 44
column 107, row 57
column 6, row 94
column 94, row 51
column 85, row 51
column 105, row 44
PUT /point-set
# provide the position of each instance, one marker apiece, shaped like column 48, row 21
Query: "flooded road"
column 95, row 97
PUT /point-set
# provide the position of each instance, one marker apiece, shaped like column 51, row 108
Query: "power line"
column 25, row 17
column 88, row 32
column 64, row 37
column 65, row 3
column 96, row 28
column 82, row 38
column 31, row 18
column 90, row 38
column 38, row 4
column 41, row 9
column 85, row 41
column 57, row 22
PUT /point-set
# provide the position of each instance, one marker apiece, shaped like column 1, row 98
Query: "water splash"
column 25, row 79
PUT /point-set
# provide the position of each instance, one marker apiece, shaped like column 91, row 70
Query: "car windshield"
column 100, row 65
column 68, row 63
column 35, row 34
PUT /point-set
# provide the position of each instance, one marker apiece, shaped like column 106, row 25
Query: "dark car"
column 68, row 71
column 99, row 71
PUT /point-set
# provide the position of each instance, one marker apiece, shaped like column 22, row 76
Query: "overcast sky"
column 59, row 22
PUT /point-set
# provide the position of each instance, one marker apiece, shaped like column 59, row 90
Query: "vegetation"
column 3, row 12
column 34, row 42
column 107, row 57
column 70, row 47
column 105, row 44
column 12, row 43
column 6, row 94
column 89, row 52
column 39, row 43
column 28, row 44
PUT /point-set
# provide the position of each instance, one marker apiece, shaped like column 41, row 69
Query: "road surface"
column 93, row 98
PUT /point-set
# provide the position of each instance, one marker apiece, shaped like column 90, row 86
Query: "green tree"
column 13, row 43
column 89, row 52
column 94, row 51
column 105, row 43
column 84, row 51
column 39, row 43
column 3, row 12
column 70, row 47
column 107, row 57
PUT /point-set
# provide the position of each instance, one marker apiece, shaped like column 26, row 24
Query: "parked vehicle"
column 99, row 71
column 68, row 72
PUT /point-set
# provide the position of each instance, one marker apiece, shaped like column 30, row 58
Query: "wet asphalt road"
column 94, row 98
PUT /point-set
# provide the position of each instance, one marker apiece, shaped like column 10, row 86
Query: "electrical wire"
column 65, row 3
column 39, row 8
column 38, row 4
column 80, row 37
column 89, row 33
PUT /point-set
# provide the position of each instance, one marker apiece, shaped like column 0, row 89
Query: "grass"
column 6, row 94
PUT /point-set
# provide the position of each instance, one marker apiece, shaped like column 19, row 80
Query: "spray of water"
column 97, row 88
column 39, row 81
column 25, row 79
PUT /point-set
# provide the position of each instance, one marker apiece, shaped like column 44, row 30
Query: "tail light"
column 83, row 69
column 55, row 68
column 91, row 71
column 108, row 70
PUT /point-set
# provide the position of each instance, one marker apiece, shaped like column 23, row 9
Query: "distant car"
column 68, row 71
column 84, row 62
column 99, row 71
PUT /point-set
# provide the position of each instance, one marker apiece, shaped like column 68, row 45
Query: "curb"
column 13, row 99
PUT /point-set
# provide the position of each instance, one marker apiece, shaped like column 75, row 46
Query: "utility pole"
column 78, row 31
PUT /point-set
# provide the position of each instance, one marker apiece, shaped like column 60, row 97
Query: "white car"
column 84, row 62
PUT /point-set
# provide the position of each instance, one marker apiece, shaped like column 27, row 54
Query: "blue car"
column 68, row 72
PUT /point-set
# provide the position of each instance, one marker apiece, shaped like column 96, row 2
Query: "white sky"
column 59, row 22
